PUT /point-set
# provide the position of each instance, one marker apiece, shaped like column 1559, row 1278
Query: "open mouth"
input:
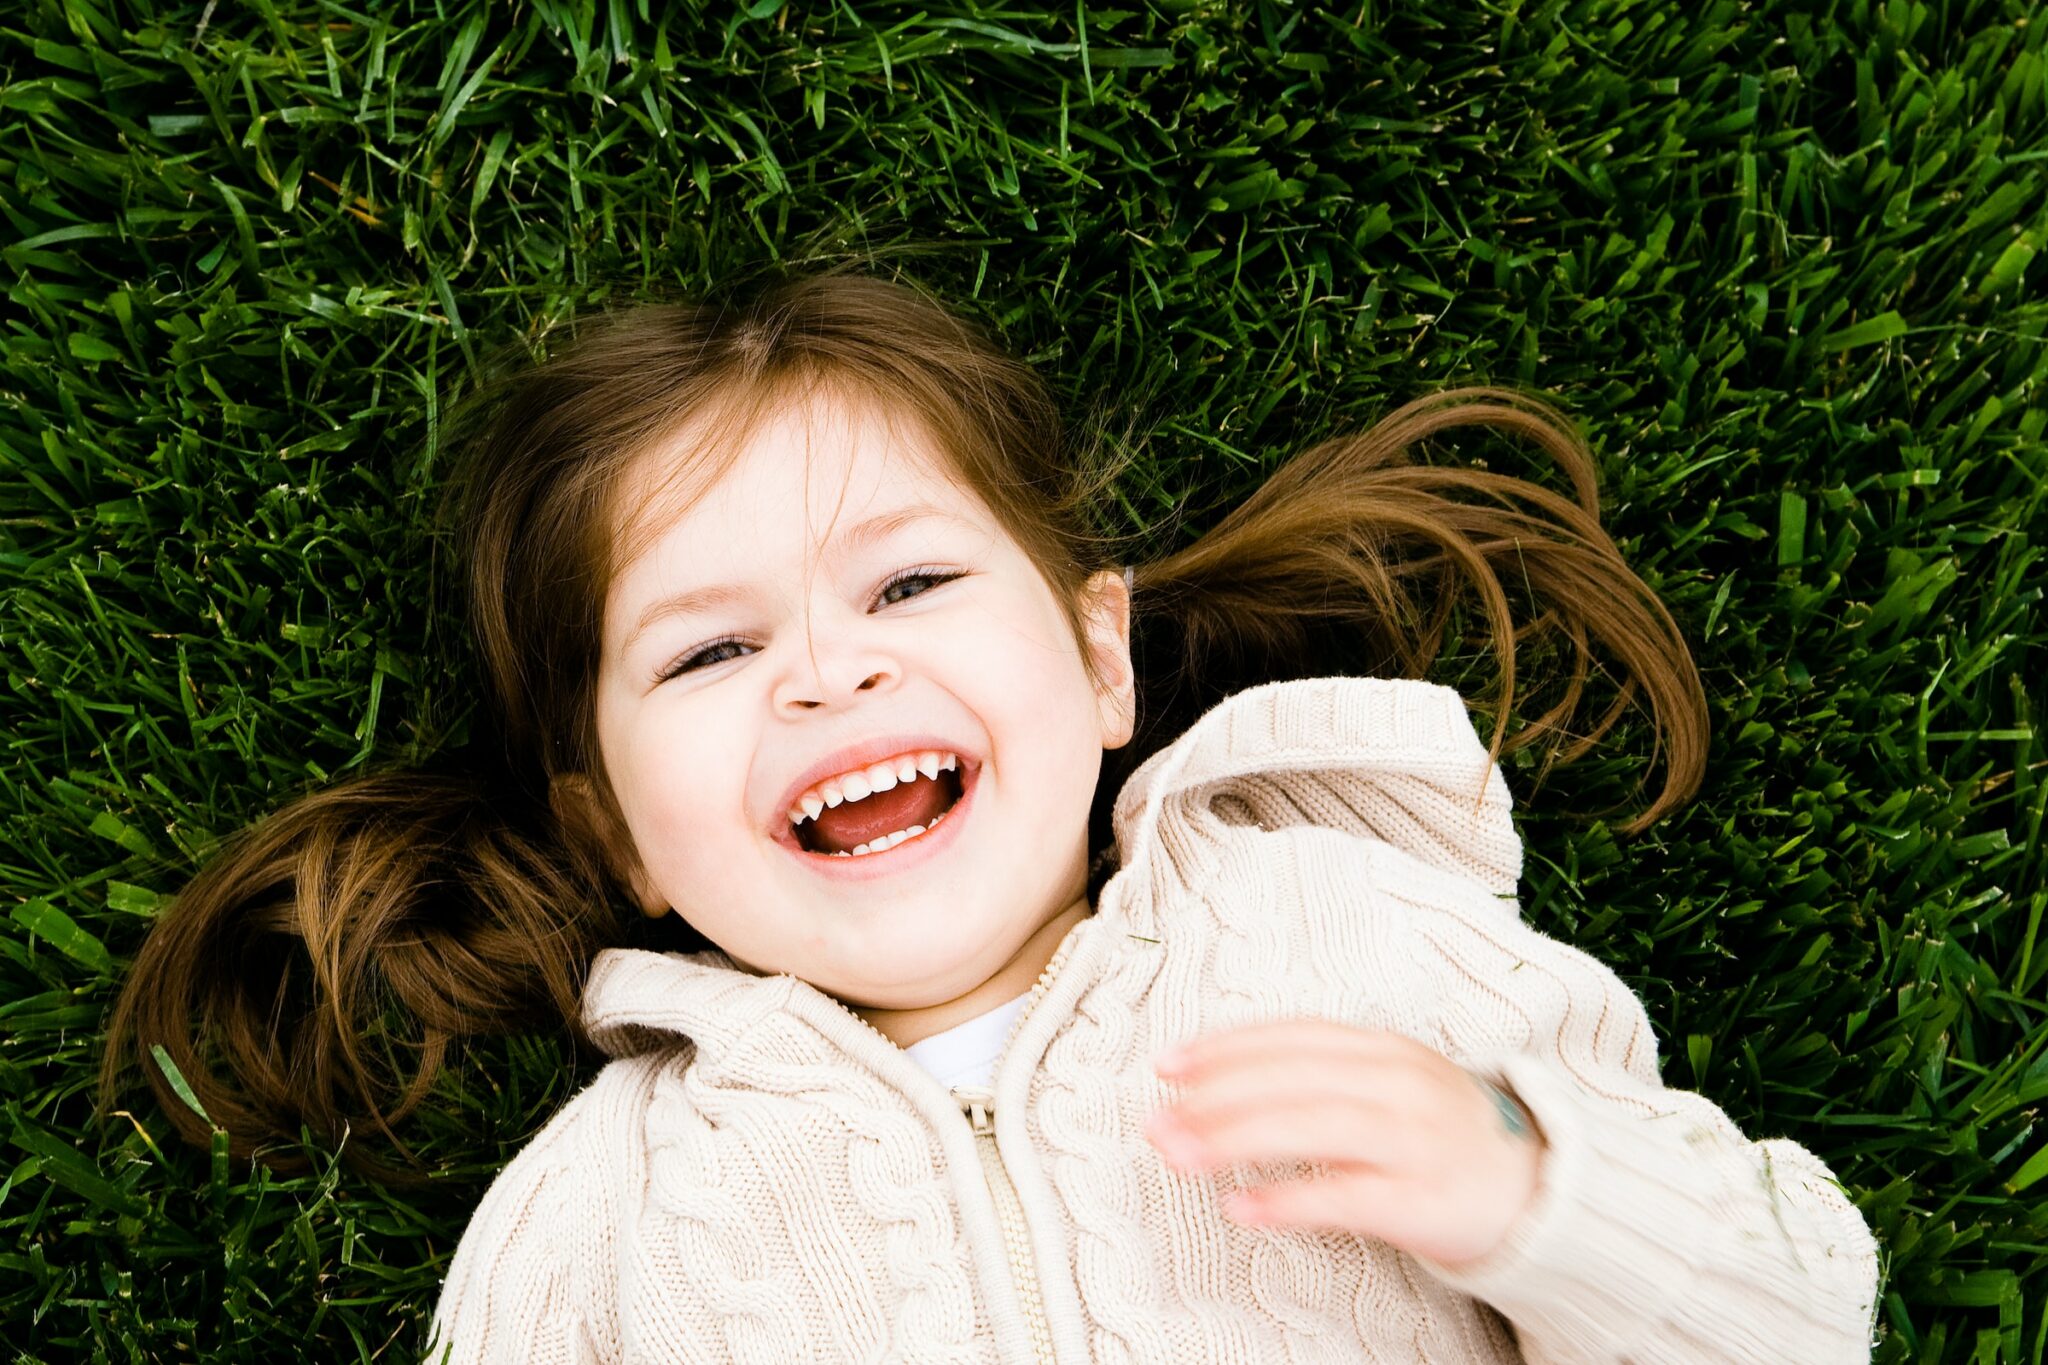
column 883, row 820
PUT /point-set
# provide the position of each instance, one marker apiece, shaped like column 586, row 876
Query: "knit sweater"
column 759, row 1176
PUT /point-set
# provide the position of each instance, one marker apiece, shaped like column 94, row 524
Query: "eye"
column 701, row 658
column 932, row 578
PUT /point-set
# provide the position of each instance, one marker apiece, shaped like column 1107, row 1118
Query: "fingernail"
column 1174, row 1142
column 1171, row 1060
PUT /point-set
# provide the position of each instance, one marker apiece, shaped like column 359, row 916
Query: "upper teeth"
column 863, row 782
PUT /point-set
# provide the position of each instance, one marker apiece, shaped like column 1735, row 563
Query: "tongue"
column 859, row 822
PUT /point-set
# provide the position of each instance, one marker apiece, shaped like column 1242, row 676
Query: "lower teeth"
column 889, row 841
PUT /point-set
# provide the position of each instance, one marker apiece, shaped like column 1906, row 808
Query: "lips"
column 861, row 755
column 902, row 860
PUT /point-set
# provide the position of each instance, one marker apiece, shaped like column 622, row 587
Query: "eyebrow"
column 717, row 595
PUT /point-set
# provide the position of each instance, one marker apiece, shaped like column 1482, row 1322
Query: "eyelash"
column 689, row 664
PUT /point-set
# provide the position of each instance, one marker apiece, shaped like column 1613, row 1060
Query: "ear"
column 584, row 817
column 1106, row 607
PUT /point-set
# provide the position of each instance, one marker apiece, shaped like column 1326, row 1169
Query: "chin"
column 929, row 975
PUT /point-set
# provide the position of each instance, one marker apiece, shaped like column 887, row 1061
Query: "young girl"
column 796, row 632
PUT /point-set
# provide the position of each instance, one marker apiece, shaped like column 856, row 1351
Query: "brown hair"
column 473, row 903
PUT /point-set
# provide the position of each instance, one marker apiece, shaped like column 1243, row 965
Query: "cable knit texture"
column 758, row 1176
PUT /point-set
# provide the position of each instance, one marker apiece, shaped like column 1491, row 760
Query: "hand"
column 1423, row 1154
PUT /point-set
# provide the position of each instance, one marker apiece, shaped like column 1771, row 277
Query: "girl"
column 796, row 633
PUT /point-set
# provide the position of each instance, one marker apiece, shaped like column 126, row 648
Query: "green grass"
column 1779, row 258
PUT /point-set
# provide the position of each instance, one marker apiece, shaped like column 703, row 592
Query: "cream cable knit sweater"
column 761, row 1177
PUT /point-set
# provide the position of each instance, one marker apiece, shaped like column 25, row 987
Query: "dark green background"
column 1778, row 258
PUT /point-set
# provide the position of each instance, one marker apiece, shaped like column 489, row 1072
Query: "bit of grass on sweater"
column 1779, row 258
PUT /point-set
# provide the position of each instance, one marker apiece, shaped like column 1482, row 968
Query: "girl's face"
column 811, row 650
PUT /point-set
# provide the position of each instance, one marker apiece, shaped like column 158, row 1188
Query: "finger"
column 1246, row 1085
column 1314, row 1129
column 1361, row 1203
column 1367, row 1204
column 1317, row 1037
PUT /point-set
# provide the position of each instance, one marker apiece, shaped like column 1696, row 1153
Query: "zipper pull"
column 979, row 1105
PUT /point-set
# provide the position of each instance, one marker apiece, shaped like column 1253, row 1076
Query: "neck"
column 1018, row 975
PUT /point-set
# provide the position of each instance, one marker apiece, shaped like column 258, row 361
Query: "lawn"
column 1779, row 260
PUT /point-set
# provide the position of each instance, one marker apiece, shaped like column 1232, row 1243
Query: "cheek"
column 1049, row 736
column 666, row 785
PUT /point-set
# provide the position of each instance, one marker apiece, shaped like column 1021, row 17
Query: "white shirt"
column 966, row 1054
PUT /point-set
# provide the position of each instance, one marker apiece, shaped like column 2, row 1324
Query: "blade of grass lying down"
column 2030, row 1171
column 1883, row 327
column 67, row 1166
column 179, row 1084
column 63, row 933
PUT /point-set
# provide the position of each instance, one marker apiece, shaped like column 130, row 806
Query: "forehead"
column 757, row 472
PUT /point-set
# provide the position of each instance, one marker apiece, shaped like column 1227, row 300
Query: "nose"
column 830, row 671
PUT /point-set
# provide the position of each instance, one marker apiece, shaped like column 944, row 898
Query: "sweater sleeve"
column 534, row 1275
column 1658, row 1231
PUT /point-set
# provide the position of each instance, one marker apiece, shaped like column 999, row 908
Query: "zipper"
column 979, row 1105
column 980, row 1109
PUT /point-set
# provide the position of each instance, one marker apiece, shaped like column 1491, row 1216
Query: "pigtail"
column 1352, row 550
column 318, row 969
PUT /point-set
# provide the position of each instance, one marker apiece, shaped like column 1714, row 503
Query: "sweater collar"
column 760, row 1026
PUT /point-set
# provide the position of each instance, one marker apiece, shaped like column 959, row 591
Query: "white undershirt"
column 966, row 1054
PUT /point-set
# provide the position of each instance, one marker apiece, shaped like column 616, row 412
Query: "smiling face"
column 849, row 595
